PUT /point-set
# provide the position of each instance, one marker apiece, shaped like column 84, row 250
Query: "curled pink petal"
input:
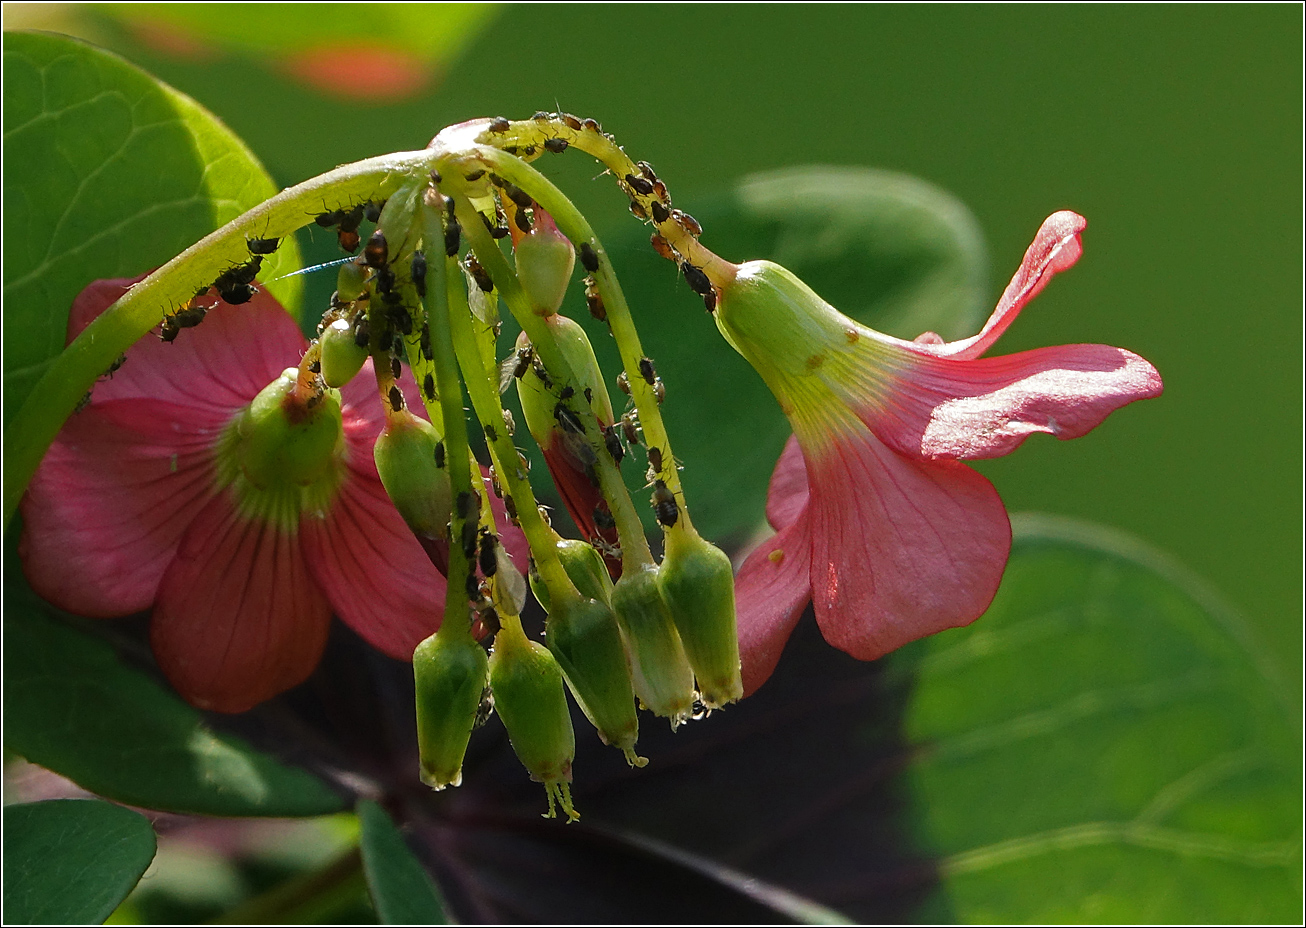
column 238, row 617
column 900, row 549
column 1055, row 248
column 949, row 409
column 106, row 510
column 771, row 590
column 374, row 572
column 786, row 497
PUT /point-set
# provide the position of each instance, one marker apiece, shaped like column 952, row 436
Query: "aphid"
column 439, row 452
column 428, row 387
column 592, row 475
column 568, row 420
column 662, row 247
column 664, row 504
column 436, row 176
column 396, row 398
column 637, row 210
column 542, row 372
column 468, row 540
column 450, row 207
column 475, row 176
column 567, row 393
column 603, row 518
column 660, row 191
column 372, row 210
column 190, row 316
column 509, row 422
column 591, row 124
column 489, row 619
column 234, row 284
column 571, row 121
column 639, row 185
column 86, row 399
column 523, row 221
column 315, row 367
column 655, row 459
column 500, row 125
column 473, row 585
column 362, row 331
column 327, row 220
column 647, row 370
column 452, row 237
column 396, row 368
column 556, row 146
column 646, row 170
column 589, row 259
column 351, row 220
column 424, row 341
column 491, row 433
column 121, row 360
column 595, row 304
column 486, row 559
column 468, row 505
column 696, row 279
column 660, row 212
column 376, row 253
column 263, row 246
column 524, row 358
column 348, row 241
column 478, row 274
column 589, row 396
column 511, row 508
column 542, row 116
column 659, row 390
column 709, row 301
column 687, row 222
column 623, row 383
column 612, row 441
column 630, row 426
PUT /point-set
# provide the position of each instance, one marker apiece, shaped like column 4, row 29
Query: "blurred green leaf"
column 1103, row 746
column 108, row 173
column 73, row 707
column 71, row 861
column 887, row 249
column 401, row 891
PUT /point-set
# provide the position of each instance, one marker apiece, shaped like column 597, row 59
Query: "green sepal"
column 451, row 675
column 663, row 679
column 698, row 585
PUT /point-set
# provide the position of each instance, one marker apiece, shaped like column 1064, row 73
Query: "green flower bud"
column 545, row 260
column 285, row 439
column 342, row 357
column 530, row 698
column 351, row 280
column 451, row 677
column 698, row 585
column 585, row 567
column 663, row 679
column 405, row 453
column 583, row 635
column 397, row 224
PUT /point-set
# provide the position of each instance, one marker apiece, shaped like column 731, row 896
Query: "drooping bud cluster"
column 421, row 302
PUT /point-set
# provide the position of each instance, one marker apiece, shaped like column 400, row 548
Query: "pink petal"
column 373, row 570
column 900, row 548
column 1055, row 248
column 105, row 512
column 948, row 409
column 771, row 590
column 238, row 618
column 215, row 367
column 786, row 497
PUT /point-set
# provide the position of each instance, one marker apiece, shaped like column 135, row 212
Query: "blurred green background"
column 1175, row 130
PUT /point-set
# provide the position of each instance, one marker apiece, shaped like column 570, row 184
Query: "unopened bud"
column 342, row 356
column 662, row 676
column 284, row 438
column 583, row 635
column 698, row 585
column 545, row 260
column 405, row 453
column 451, row 677
column 351, row 280
column 584, row 565
column 530, row 697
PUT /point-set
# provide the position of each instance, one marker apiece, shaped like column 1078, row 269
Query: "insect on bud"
column 698, row 585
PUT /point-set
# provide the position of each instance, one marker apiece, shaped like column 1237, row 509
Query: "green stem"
column 74, row 371
column 305, row 899
column 458, row 454
column 575, row 227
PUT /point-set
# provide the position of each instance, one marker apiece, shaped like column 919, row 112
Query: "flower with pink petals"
column 154, row 495
column 879, row 523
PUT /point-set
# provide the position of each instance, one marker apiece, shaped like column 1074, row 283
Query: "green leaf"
column 71, row 861
column 887, row 249
column 1103, row 746
column 401, row 890
column 108, row 173
column 71, row 705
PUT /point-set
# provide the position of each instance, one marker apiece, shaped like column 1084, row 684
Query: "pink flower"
column 879, row 524
column 143, row 501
